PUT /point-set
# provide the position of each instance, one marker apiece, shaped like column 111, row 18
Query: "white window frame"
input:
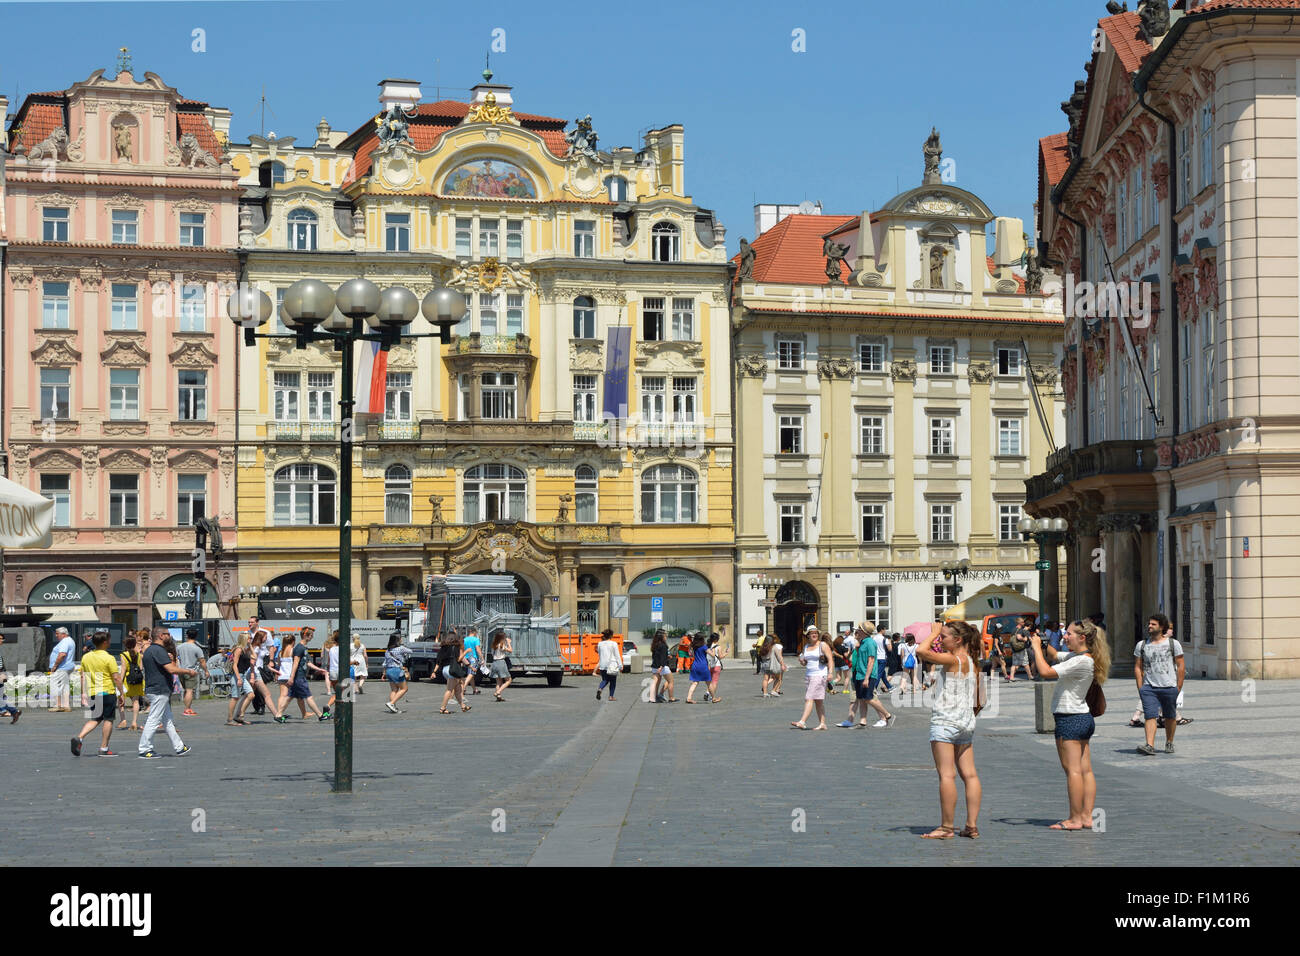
column 1009, row 516
column 586, row 495
column 464, row 236
column 871, row 511
column 397, row 232
column 489, row 238
column 586, row 407
column 1009, row 437
column 193, row 228
column 944, row 597
column 943, row 516
column 654, row 399
column 397, row 494
column 56, row 307
column 124, row 225
column 123, row 501
column 303, row 225
column 877, row 605
column 514, row 239
column 1206, row 138
column 584, row 238
column 666, row 242
column 192, row 397
column 186, row 498
column 306, row 484
column 514, row 313
column 194, row 308
column 320, row 396
column 285, row 387
column 499, row 398
column 871, row 357
column 943, row 360
column 871, row 435
column 584, row 317
column 654, row 327
column 56, row 396
column 505, row 485
column 55, row 223
column 1209, row 317
column 124, row 310
column 57, row 486
column 683, row 320
column 398, row 391
column 1008, row 361
column 791, row 523
column 793, row 424
column 123, row 395
column 943, row 436
column 660, row 481
column 685, row 399
column 789, row 355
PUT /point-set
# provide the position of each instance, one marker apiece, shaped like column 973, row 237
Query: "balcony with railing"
column 517, row 344
column 1103, row 459
column 278, row 430
column 398, row 430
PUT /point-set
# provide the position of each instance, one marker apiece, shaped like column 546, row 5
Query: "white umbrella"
column 25, row 517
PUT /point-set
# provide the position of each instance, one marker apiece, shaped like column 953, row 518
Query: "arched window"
column 584, row 317
column 665, row 243
column 304, row 494
column 302, row 230
column 495, row 493
column 584, row 497
column 617, row 187
column 668, row 495
column 397, row 495
column 270, row 173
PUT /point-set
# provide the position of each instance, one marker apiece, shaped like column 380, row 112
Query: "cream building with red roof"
column 887, row 418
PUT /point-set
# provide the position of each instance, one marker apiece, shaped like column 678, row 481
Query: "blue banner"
column 618, row 361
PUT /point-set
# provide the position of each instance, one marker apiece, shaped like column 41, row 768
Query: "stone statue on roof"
column 392, row 127
column 582, row 138
column 1154, row 15
column 747, row 255
column 834, row 253
column 933, row 151
column 1033, row 272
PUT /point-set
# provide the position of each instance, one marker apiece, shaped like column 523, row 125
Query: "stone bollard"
column 1044, row 723
column 636, row 665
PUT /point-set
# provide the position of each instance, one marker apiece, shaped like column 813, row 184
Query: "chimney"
column 1008, row 245
column 481, row 91
column 398, row 92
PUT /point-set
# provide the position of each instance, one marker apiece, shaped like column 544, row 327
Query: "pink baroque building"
column 118, row 216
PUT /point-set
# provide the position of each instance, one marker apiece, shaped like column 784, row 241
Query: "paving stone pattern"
column 694, row 784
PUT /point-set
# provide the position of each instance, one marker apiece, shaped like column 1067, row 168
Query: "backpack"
column 134, row 675
column 909, row 658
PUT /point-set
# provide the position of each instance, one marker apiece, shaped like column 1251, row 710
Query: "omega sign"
column 61, row 595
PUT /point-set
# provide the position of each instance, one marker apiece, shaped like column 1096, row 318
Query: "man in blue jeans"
column 882, row 657
column 158, row 671
column 1159, row 667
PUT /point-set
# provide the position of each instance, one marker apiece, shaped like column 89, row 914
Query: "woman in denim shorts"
column 395, row 671
column 1086, row 661
column 952, row 724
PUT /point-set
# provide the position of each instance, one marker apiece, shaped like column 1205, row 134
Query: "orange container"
column 579, row 651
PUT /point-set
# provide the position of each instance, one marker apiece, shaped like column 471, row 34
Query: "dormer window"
column 302, row 230
column 665, row 243
column 617, row 187
column 270, row 173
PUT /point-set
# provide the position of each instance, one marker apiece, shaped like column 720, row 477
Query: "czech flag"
column 372, row 378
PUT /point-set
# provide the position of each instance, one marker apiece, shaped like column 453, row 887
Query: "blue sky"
column 842, row 122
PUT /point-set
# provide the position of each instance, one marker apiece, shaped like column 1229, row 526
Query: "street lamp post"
column 1048, row 532
column 954, row 571
column 319, row 314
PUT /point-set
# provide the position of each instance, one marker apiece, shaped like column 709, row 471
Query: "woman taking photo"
column 241, row 691
column 1085, row 662
column 957, row 700
column 817, row 656
column 501, row 648
column 715, row 668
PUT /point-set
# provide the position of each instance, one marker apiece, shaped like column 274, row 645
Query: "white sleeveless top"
column 813, row 658
column 954, row 699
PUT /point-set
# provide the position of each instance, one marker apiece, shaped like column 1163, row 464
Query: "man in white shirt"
column 63, row 660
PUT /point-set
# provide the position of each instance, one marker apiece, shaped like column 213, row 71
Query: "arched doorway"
column 796, row 607
column 672, row 598
column 523, row 591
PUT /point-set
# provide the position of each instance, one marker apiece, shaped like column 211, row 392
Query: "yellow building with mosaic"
column 577, row 429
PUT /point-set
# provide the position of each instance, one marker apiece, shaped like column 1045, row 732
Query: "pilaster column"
column 1123, row 566
column 372, row 593
column 982, row 516
column 1089, row 581
column 903, row 372
column 837, row 420
column 751, row 373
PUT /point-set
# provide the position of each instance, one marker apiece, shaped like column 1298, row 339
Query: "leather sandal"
column 939, row 833
column 972, row 833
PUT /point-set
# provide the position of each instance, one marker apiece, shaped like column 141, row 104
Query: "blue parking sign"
column 397, row 604
column 170, row 616
column 656, row 604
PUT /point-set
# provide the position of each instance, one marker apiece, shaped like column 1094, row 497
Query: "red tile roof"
column 1124, row 31
column 1020, row 281
column 39, row 121
column 791, row 251
column 433, row 119
column 1055, row 158
column 1027, row 319
column 1247, row 5
column 197, row 124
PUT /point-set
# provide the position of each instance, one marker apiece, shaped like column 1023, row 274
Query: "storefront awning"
column 299, row 608
column 67, row 612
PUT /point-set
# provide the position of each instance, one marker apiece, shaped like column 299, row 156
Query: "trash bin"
column 1044, row 723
